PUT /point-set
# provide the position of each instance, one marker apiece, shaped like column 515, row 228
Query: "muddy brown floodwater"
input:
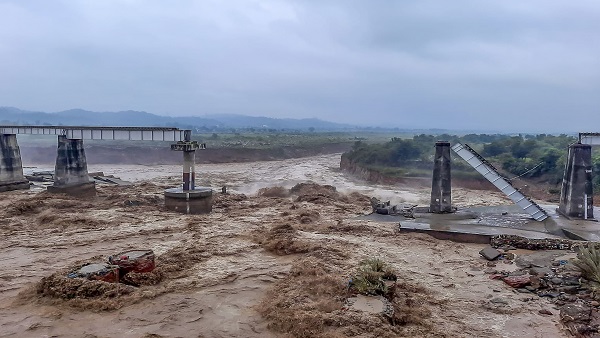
column 260, row 265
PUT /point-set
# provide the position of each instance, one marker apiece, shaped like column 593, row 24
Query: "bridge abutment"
column 11, row 167
column 576, row 195
column 441, row 185
column 70, row 172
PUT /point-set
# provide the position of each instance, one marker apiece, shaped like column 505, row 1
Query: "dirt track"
column 237, row 269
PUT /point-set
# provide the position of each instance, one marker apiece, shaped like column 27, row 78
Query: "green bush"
column 371, row 276
column 588, row 260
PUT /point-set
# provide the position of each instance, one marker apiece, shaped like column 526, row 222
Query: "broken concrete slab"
column 112, row 180
column 490, row 253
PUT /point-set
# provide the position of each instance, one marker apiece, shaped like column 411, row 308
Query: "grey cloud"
column 459, row 64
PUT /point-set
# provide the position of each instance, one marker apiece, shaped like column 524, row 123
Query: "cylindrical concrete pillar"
column 70, row 172
column 441, row 185
column 11, row 167
column 188, row 168
column 193, row 172
column 576, row 195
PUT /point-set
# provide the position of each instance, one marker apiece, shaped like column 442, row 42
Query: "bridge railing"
column 592, row 139
column 101, row 133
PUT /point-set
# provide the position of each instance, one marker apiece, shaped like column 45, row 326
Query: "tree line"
column 540, row 156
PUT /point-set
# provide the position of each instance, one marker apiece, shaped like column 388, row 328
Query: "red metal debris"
column 517, row 281
column 134, row 261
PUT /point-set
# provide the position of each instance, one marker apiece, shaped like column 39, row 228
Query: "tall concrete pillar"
column 189, row 172
column 11, row 167
column 576, row 195
column 189, row 199
column 70, row 172
column 441, row 189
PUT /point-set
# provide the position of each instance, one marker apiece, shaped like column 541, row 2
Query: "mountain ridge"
column 78, row 116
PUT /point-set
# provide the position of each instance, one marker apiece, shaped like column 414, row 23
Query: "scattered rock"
column 540, row 271
column 517, row 281
column 532, row 244
column 545, row 312
column 518, row 273
column 574, row 281
column 491, row 264
column 577, row 313
column 499, row 300
column 568, row 289
column 490, row 253
column 549, row 294
column 523, row 262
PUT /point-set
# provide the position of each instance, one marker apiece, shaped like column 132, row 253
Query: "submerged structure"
column 480, row 224
column 71, row 172
column 189, row 199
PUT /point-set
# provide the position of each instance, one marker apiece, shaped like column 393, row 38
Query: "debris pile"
column 386, row 208
column 518, row 242
column 99, row 279
column 134, row 261
column 567, row 283
column 97, row 271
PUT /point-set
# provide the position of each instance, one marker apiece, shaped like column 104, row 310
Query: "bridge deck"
column 592, row 139
column 101, row 133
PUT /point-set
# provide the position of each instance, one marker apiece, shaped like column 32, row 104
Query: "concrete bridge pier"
column 11, row 167
column 70, row 172
column 189, row 199
column 441, row 189
column 576, row 195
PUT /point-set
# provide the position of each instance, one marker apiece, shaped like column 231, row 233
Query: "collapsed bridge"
column 576, row 198
column 71, row 173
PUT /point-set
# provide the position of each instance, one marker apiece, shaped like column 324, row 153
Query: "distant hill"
column 15, row 116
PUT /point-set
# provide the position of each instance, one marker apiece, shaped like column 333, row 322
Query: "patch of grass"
column 371, row 276
column 588, row 260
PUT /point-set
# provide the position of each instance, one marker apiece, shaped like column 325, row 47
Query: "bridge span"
column 101, row 133
column 71, row 173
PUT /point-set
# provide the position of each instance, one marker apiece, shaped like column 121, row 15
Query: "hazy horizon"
column 467, row 65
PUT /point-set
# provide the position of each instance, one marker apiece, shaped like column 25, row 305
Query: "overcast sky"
column 502, row 65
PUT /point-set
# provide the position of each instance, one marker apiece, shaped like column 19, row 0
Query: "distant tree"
column 311, row 129
column 214, row 136
column 493, row 149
